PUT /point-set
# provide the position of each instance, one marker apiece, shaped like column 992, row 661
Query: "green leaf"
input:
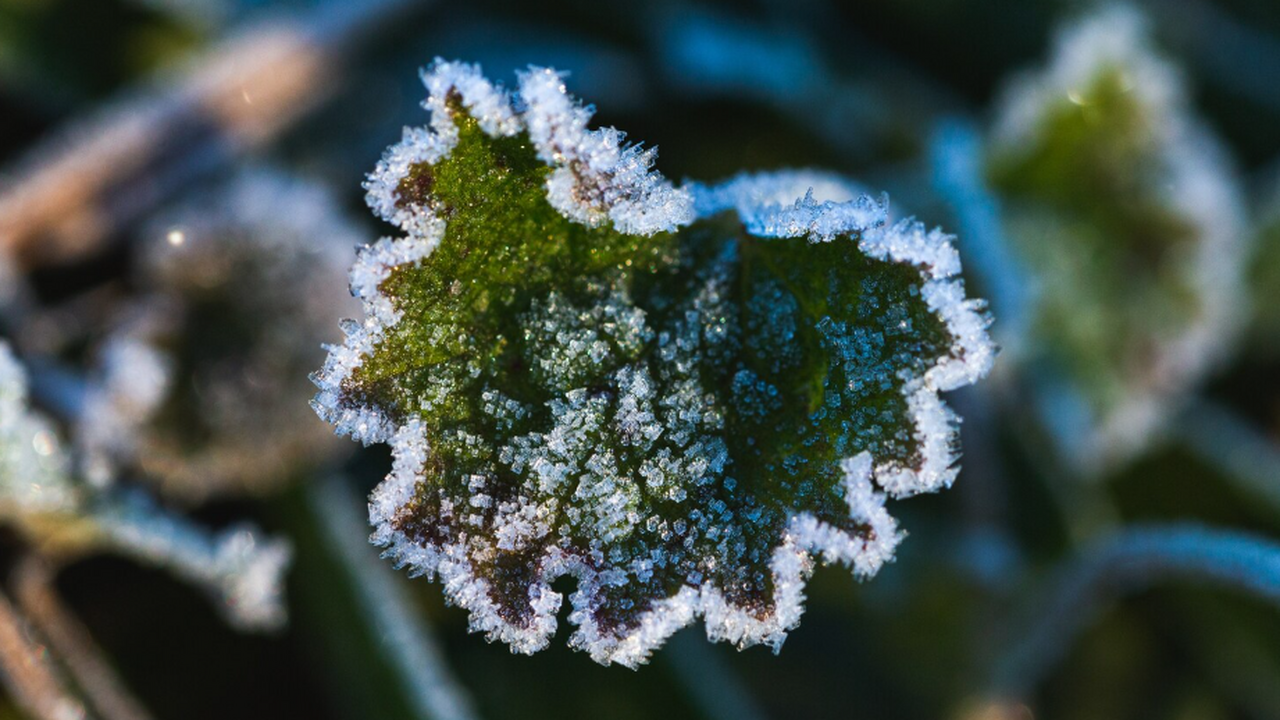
column 675, row 395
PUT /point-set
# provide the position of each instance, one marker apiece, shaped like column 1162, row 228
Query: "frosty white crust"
column 597, row 180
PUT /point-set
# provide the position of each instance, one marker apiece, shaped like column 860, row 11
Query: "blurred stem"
column 956, row 159
column 33, row 587
column 80, row 188
column 704, row 52
column 27, row 674
column 715, row 690
column 1122, row 564
column 1223, row 46
column 410, row 646
column 1227, row 442
column 955, row 154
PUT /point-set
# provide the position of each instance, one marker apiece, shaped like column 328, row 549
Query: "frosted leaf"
column 40, row 497
column 681, row 411
column 201, row 387
column 1125, row 210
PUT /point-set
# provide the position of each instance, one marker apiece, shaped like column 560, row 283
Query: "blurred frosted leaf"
column 202, row 387
column 1124, row 209
column 677, row 396
column 34, row 470
column 40, row 497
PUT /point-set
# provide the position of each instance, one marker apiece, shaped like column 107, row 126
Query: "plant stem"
column 955, row 154
column 1124, row 563
column 1243, row 454
column 410, row 645
column 1222, row 45
column 33, row 587
column 31, row 680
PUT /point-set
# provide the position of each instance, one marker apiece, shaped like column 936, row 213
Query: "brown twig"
column 75, row 648
column 27, row 674
column 79, row 187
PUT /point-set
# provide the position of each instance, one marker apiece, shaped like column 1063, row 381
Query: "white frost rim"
column 791, row 565
column 931, row 252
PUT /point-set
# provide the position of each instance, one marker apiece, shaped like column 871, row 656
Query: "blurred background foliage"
column 865, row 89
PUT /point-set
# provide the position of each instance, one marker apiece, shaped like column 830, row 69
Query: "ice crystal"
column 42, row 499
column 1123, row 207
column 199, row 386
column 678, row 396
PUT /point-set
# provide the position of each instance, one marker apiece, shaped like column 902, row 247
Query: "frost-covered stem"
column 411, row 646
column 113, row 167
column 31, row 681
column 242, row 568
column 1124, row 563
column 955, row 155
column 710, row 684
column 1229, row 443
column 75, row 648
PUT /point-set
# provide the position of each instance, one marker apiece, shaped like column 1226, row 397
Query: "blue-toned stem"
column 240, row 566
column 27, row 673
column 955, row 156
column 706, row 52
column 1122, row 564
column 1244, row 455
column 410, row 645
column 1223, row 45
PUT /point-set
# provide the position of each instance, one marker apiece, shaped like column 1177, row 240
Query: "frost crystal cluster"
column 1124, row 209
column 678, row 396
column 199, row 386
